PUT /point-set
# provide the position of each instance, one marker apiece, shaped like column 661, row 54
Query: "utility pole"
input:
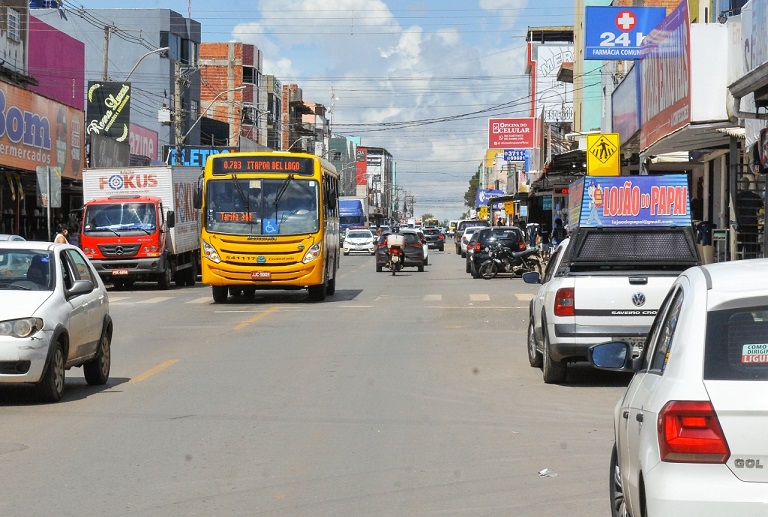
column 105, row 56
column 178, row 114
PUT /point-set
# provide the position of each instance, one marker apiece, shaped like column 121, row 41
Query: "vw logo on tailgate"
column 638, row 299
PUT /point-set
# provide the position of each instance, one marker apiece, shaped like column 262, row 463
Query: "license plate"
column 261, row 274
column 636, row 342
column 120, row 272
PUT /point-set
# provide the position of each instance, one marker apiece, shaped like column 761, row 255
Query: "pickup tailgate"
column 614, row 306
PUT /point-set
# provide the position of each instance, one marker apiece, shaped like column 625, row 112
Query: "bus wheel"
column 331, row 289
column 317, row 292
column 220, row 293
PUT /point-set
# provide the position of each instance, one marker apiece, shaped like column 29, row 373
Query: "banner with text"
column 511, row 133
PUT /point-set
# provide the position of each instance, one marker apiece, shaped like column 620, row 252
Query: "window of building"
column 14, row 25
column 248, row 75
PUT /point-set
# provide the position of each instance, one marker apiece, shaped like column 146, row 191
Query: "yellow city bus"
column 270, row 221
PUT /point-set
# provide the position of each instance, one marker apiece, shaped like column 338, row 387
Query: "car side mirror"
column 80, row 287
column 613, row 356
column 532, row 277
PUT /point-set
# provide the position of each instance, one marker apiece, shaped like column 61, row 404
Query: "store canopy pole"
column 48, row 198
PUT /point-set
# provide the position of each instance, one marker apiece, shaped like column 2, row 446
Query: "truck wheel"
column 220, row 293
column 164, row 280
column 534, row 356
column 96, row 371
column 51, row 385
column 317, row 292
column 554, row 372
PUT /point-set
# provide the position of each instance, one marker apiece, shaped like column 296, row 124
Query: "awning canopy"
column 691, row 137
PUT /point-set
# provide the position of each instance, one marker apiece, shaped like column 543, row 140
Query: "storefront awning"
column 690, row 137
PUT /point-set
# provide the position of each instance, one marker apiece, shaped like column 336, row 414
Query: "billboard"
column 618, row 32
column 35, row 132
column 630, row 201
column 108, row 111
column 57, row 61
column 554, row 99
column 511, row 133
column 143, row 141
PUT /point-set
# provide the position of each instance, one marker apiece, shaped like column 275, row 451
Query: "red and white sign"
column 626, row 21
column 511, row 133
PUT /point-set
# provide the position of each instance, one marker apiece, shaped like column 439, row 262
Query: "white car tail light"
column 689, row 432
column 564, row 302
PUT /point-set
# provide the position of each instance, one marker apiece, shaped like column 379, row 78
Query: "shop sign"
column 108, row 110
column 511, row 133
column 38, row 132
column 613, row 33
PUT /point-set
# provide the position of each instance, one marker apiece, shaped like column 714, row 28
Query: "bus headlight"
column 211, row 253
column 312, row 253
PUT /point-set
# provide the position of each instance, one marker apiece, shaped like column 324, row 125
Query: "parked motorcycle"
column 502, row 259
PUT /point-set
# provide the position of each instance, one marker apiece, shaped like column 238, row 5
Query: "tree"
column 471, row 194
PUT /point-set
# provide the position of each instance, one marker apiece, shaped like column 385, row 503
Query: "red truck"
column 139, row 223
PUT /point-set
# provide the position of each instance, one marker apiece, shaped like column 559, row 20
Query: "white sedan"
column 691, row 430
column 54, row 316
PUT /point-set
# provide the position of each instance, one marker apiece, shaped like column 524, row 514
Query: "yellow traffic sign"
column 483, row 212
column 509, row 207
column 603, row 156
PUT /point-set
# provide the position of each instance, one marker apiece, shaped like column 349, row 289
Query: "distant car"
column 358, row 241
column 414, row 251
column 509, row 236
column 435, row 238
column 424, row 244
column 690, row 431
column 9, row 237
column 460, row 227
column 464, row 239
column 470, row 252
column 54, row 315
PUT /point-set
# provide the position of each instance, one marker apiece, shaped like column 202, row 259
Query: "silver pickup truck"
column 603, row 284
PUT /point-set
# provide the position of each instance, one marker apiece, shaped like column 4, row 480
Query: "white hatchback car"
column 359, row 241
column 54, row 315
column 692, row 428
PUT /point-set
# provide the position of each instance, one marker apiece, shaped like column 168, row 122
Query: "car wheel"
column 346, row 253
column 441, row 248
column 421, row 269
column 553, row 371
column 51, row 385
column 426, row 261
column 96, row 371
column 616, row 488
column 220, row 293
column 458, row 250
column 534, row 356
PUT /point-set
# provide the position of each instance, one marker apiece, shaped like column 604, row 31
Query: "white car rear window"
column 737, row 345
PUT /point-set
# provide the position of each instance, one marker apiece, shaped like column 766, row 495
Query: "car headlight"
column 23, row 327
column 312, row 253
column 211, row 253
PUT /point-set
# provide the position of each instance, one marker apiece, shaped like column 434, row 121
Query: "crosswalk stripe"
column 156, row 299
column 523, row 297
column 479, row 298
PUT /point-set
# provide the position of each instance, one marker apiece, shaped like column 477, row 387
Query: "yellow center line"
column 255, row 318
column 150, row 373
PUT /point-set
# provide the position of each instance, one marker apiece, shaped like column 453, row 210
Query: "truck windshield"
column 120, row 217
column 271, row 207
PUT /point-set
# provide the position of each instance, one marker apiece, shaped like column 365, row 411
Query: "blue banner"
column 618, row 32
column 629, row 201
column 483, row 195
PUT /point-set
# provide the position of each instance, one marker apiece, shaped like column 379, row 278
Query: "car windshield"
column 737, row 344
column 28, row 270
column 359, row 235
column 255, row 206
column 141, row 217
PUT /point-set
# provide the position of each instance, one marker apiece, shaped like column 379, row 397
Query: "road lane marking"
column 156, row 299
column 255, row 318
column 479, row 298
column 433, row 297
column 204, row 299
column 153, row 371
column 524, row 297
column 117, row 298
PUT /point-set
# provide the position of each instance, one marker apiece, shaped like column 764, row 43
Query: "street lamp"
column 181, row 140
column 156, row 51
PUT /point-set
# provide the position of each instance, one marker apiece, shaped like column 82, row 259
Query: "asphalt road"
column 406, row 395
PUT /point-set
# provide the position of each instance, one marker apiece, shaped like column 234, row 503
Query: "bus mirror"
column 197, row 199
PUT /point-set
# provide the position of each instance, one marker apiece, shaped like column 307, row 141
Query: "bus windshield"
column 281, row 206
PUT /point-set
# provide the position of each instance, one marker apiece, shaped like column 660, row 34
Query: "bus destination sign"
column 228, row 164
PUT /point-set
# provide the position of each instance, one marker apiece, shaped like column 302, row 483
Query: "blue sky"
column 417, row 77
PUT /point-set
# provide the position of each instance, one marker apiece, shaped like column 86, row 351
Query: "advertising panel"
column 143, row 141
column 511, row 133
column 483, row 195
column 361, row 166
column 554, row 99
column 625, row 103
column 630, row 201
column 665, row 75
column 618, row 32
column 36, row 132
column 108, row 111
column 57, row 61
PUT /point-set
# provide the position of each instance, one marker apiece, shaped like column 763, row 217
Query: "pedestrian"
column 61, row 237
column 558, row 233
column 543, row 240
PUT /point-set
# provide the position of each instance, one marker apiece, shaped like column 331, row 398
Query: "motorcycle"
column 501, row 259
column 395, row 253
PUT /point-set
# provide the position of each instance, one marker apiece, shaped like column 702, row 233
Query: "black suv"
column 435, row 238
column 461, row 225
column 509, row 236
